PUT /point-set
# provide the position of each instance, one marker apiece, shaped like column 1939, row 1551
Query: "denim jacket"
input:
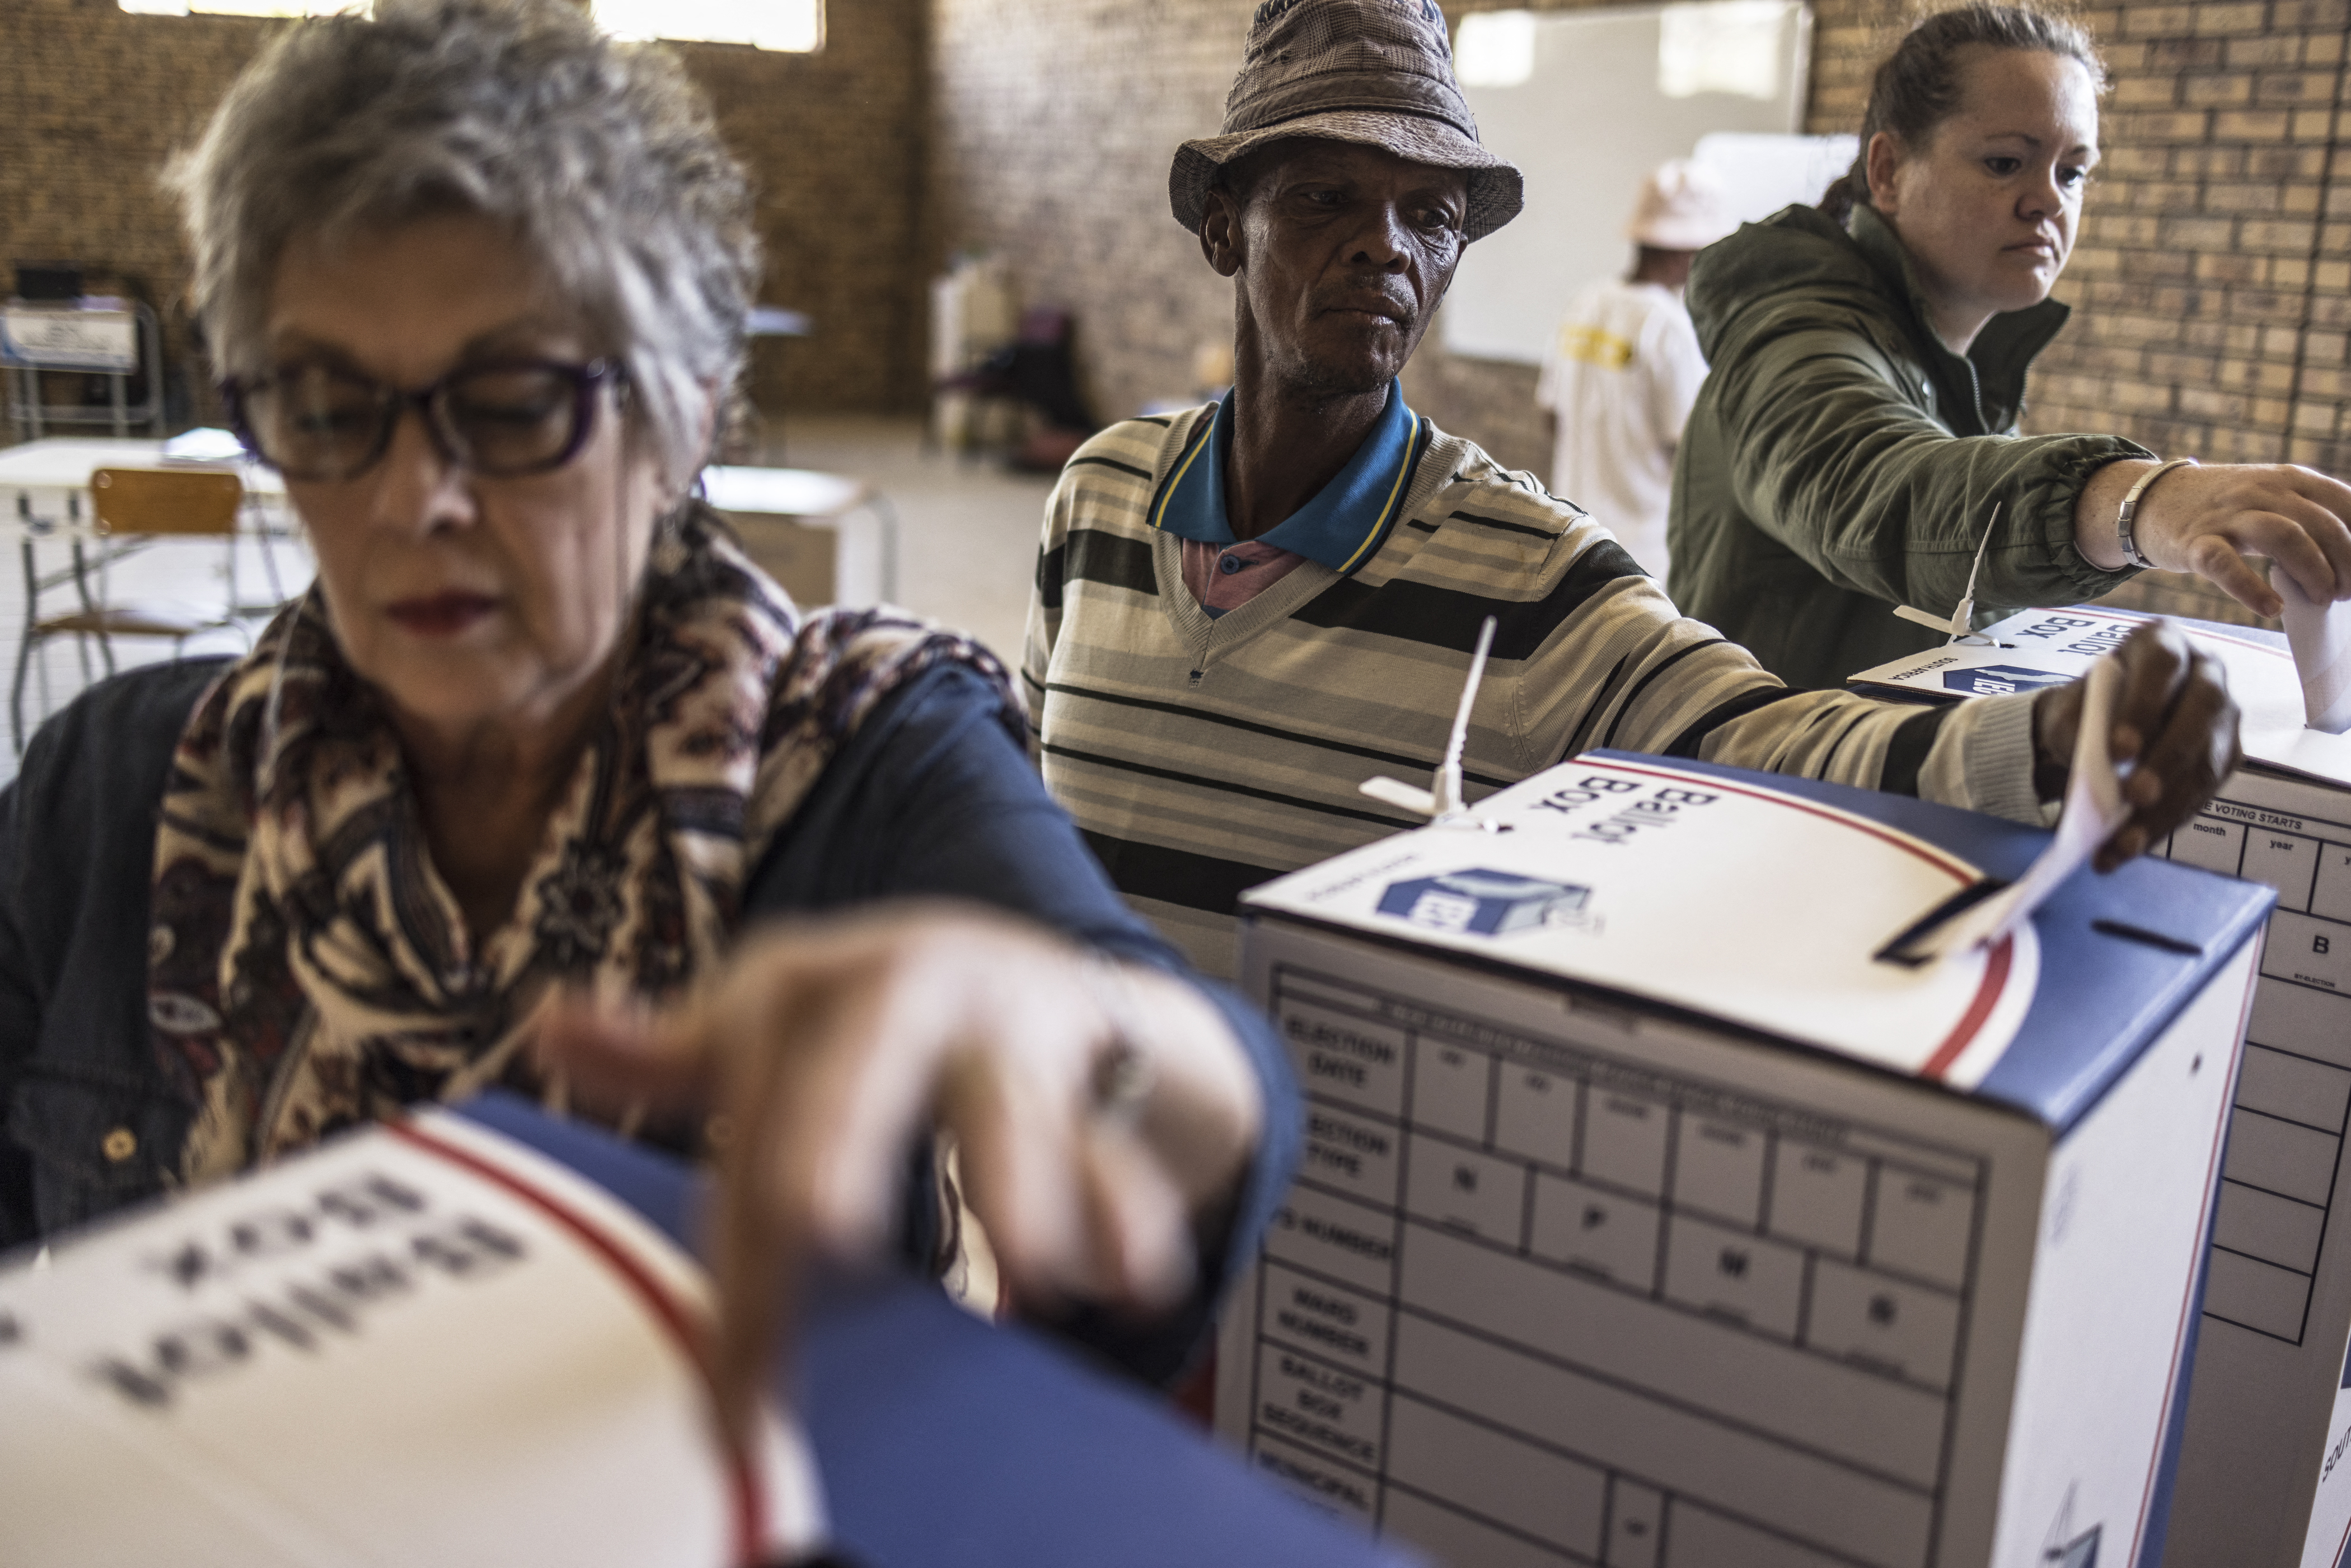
column 931, row 798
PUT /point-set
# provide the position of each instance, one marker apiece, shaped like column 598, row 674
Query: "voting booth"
column 2262, row 1480
column 1651, row 1219
column 475, row 1339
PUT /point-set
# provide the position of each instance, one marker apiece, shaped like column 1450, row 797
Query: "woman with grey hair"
column 544, row 784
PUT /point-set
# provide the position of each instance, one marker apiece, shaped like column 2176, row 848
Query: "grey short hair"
column 602, row 158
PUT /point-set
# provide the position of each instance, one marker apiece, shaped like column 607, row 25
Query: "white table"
column 45, row 486
column 864, row 525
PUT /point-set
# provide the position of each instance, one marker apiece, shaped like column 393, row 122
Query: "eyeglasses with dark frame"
column 502, row 419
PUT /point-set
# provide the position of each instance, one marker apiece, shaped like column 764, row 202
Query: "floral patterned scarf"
column 309, row 968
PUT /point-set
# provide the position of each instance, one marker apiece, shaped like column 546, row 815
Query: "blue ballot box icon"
column 2000, row 680
column 1490, row 902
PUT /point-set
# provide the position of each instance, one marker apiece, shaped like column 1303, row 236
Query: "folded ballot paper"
column 1985, row 914
column 2275, row 684
column 2320, row 636
column 438, row 1342
column 2263, row 1481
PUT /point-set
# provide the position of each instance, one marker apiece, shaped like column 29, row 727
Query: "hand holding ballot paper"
column 2171, row 722
column 826, row 1049
column 2151, row 733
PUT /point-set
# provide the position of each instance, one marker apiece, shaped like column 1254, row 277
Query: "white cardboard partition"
column 2262, row 1483
column 1648, row 1220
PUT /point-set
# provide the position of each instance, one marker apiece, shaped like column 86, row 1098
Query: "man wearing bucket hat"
column 1624, row 368
column 1243, row 610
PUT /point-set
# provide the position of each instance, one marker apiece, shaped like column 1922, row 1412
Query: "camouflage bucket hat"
column 1378, row 72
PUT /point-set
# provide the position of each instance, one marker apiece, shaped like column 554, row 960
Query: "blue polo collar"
column 1346, row 523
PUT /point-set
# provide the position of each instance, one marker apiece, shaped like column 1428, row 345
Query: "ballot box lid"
column 1760, row 904
column 944, row 1441
column 2036, row 648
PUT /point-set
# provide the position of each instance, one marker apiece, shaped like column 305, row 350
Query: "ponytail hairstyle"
column 1917, row 88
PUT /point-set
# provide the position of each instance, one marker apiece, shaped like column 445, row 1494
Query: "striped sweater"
column 1203, row 756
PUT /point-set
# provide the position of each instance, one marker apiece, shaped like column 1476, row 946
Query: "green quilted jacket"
column 1841, row 461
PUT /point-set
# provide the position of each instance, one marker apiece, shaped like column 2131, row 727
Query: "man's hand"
column 1098, row 1108
column 2207, row 520
column 2173, row 718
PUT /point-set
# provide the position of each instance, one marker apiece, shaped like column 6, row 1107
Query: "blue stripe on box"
column 945, row 1443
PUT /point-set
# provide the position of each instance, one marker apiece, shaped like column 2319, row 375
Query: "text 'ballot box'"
column 1649, row 1220
column 2262, row 1481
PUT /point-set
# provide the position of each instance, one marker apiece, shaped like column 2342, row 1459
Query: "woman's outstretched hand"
column 2207, row 520
column 1099, row 1108
column 2173, row 718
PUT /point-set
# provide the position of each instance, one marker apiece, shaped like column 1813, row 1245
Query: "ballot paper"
column 2093, row 811
column 421, row 1344
column 2320, row 636
column 2039, row 648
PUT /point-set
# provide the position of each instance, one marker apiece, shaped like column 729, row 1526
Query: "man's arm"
column 1678, row 688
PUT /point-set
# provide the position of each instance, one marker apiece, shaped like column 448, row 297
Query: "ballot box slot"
column 2130, row 932
column 1905, row 949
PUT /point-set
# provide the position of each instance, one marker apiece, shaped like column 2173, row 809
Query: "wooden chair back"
column 185, row 501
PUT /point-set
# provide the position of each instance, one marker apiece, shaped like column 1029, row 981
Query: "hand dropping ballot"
column 2093, row 811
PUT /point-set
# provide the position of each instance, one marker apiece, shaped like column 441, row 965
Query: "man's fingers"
column 2215, row 559
column 2193, row 751
column 2154, row 662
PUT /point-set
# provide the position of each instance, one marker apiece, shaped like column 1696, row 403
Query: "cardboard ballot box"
column 2261, row 1479
column 1650, row 1221
column 472, row 1339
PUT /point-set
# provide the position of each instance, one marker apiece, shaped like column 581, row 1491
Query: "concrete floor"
column 967, row 541
column 967, row 549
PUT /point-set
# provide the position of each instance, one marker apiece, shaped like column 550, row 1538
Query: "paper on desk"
column 2320, row 636
column 204, row 444
column 2094, row 809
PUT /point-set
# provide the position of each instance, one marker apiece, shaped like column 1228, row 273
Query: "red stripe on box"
column 675, row 1316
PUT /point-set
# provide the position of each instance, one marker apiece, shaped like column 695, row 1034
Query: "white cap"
column 1682, row 207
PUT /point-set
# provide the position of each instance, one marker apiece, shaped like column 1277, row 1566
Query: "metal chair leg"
column 25, row 647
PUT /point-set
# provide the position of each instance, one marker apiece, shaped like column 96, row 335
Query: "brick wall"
column 96, row 100
column 1052, row 125
column 2212, row 285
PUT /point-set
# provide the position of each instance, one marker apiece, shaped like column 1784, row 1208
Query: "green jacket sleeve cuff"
column 2085, row 455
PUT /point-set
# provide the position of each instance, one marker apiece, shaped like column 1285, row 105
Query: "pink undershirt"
column 1219, row 587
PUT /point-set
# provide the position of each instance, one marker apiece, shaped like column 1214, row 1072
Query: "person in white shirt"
column 1625, row 368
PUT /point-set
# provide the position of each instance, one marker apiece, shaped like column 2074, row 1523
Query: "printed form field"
column 2285, row 1140
column 1501, row 1247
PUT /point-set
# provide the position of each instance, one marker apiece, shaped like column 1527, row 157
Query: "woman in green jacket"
column 1856, row 435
